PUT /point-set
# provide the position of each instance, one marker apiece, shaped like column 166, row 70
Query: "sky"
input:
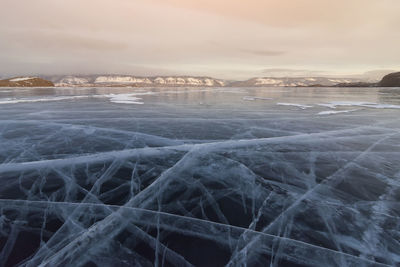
column 230, row 39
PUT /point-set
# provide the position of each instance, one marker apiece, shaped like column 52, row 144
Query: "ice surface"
column 88, row 181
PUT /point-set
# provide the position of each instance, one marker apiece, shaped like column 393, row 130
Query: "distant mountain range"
column 294, row 82
column 127, row 80
column 177, row 81
column 193, row 81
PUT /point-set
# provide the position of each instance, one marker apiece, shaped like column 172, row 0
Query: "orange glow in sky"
column 227, row 39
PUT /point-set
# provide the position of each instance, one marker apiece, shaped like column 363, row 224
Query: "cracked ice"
column 199, row 178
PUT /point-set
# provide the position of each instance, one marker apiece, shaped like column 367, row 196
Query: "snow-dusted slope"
column 22, row 79
column 124, row 80
column 121, row 79
column 296, row 81
column 70, row 80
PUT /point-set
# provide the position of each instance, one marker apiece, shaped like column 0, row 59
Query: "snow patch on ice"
column 253, row 98
column 335, row 104
column 130, row 98
column 294, row 105
column 127, row 98
column 33, row 100
column 331, row 112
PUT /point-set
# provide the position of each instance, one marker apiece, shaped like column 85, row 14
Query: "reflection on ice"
column 174, row 183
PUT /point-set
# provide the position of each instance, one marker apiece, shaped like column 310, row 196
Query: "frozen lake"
column 200, row 176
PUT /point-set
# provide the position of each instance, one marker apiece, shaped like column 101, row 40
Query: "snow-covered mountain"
column 124, row 80
column 70, row 80
column 293, row 81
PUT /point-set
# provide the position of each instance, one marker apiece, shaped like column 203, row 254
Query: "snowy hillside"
column 296, row 81
column 123, row 80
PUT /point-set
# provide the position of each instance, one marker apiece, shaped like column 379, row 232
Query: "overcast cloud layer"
column 227, row 39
